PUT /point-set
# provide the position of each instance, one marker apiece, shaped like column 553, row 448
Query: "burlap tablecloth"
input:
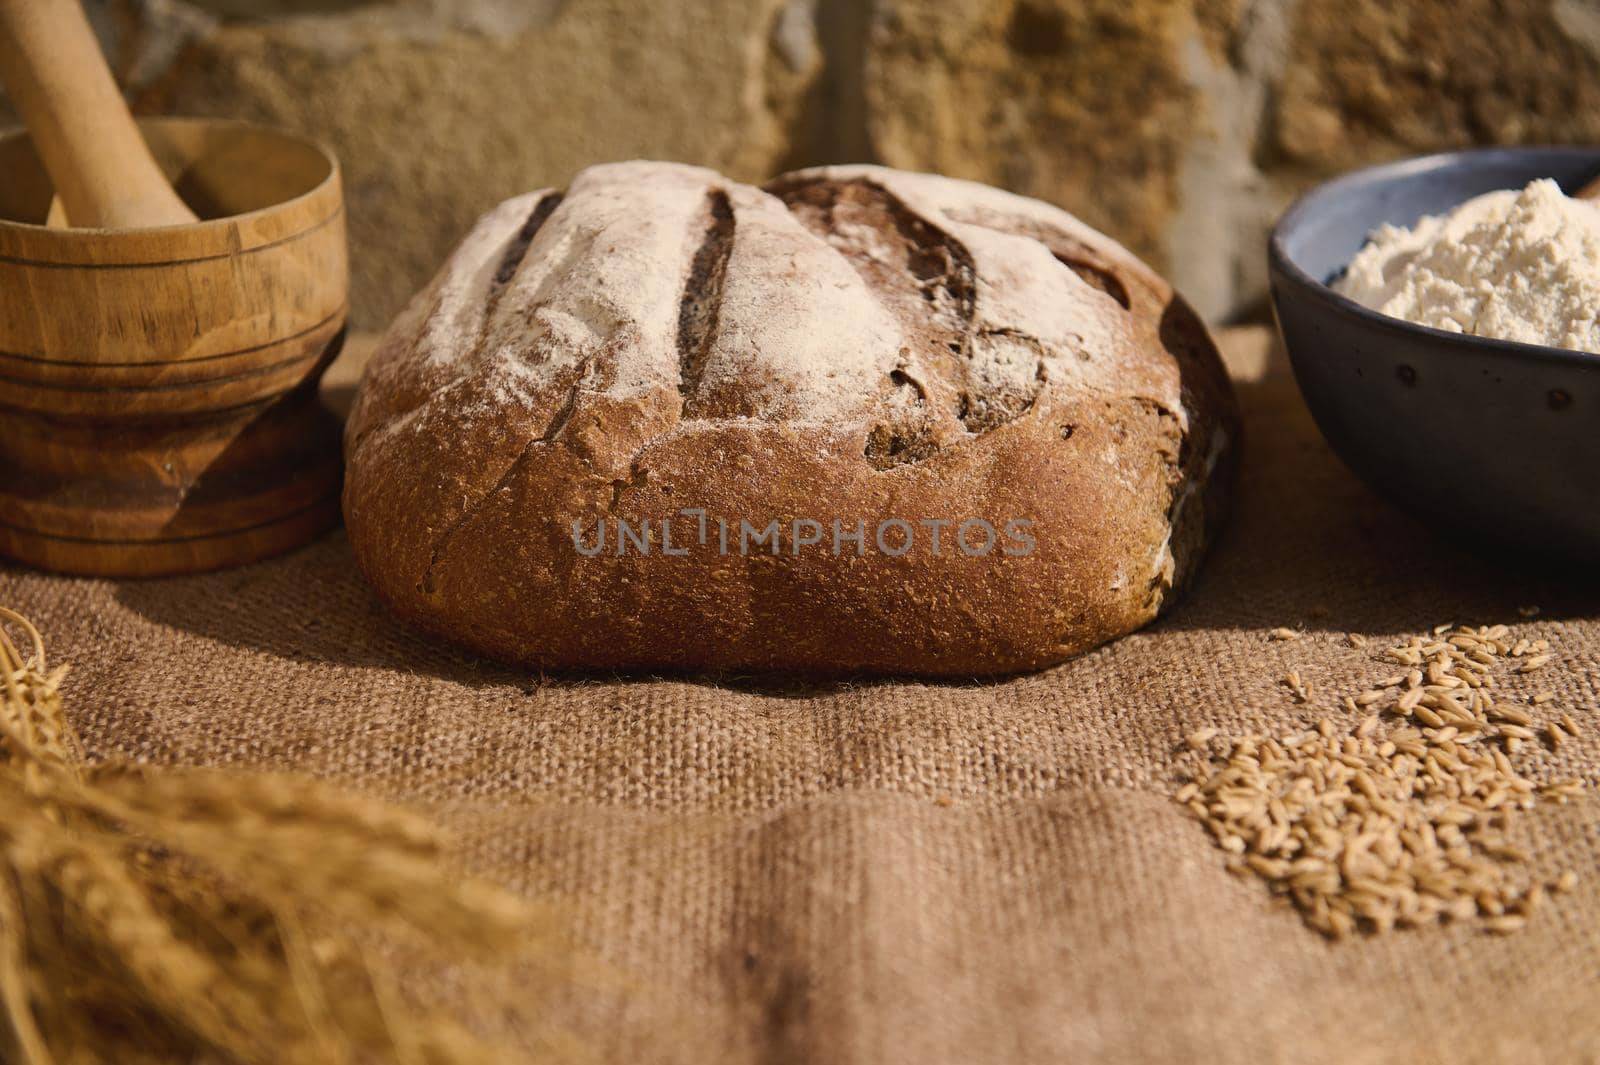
column 876, row 872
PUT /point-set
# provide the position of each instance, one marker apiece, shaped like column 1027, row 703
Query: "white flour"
column 1512, row 265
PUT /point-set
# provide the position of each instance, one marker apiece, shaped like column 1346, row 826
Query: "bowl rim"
column 334, row 178
column 1280, row 263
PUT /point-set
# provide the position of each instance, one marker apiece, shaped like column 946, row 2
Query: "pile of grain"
column 1406, row 817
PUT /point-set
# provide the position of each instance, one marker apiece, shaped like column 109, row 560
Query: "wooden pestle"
column 52, row 68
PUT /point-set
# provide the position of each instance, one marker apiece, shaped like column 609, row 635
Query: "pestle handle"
column 52, row 68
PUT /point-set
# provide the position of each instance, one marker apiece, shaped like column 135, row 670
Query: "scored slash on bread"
column 846, row 344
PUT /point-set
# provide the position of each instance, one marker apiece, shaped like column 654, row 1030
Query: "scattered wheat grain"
column 1363, row 830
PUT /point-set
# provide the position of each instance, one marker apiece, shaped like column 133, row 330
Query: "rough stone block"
column 437, row 111
column 1081, row 102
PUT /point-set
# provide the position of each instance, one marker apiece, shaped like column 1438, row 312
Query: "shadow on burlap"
column 905, row 872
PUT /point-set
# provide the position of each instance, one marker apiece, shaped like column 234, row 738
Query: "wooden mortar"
column 158, row 406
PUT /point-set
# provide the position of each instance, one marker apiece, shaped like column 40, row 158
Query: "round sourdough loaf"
column 858, row 420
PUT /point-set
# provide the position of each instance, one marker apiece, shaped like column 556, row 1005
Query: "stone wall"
column 1180, row 126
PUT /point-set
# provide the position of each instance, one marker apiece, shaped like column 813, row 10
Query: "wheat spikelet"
column 183, row 915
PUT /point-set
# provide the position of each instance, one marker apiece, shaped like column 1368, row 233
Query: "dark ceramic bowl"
column 1489, row 438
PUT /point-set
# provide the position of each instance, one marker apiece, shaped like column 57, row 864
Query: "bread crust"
column 664, row 348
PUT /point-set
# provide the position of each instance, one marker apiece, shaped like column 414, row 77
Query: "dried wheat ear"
column 186, row 915
column 1404, row 818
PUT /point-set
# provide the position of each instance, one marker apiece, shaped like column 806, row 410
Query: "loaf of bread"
column 855, row 421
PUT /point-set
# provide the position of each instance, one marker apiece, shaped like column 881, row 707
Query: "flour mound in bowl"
column 1513, row 265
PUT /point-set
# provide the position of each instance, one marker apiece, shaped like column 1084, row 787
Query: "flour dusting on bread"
column 818, row 314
